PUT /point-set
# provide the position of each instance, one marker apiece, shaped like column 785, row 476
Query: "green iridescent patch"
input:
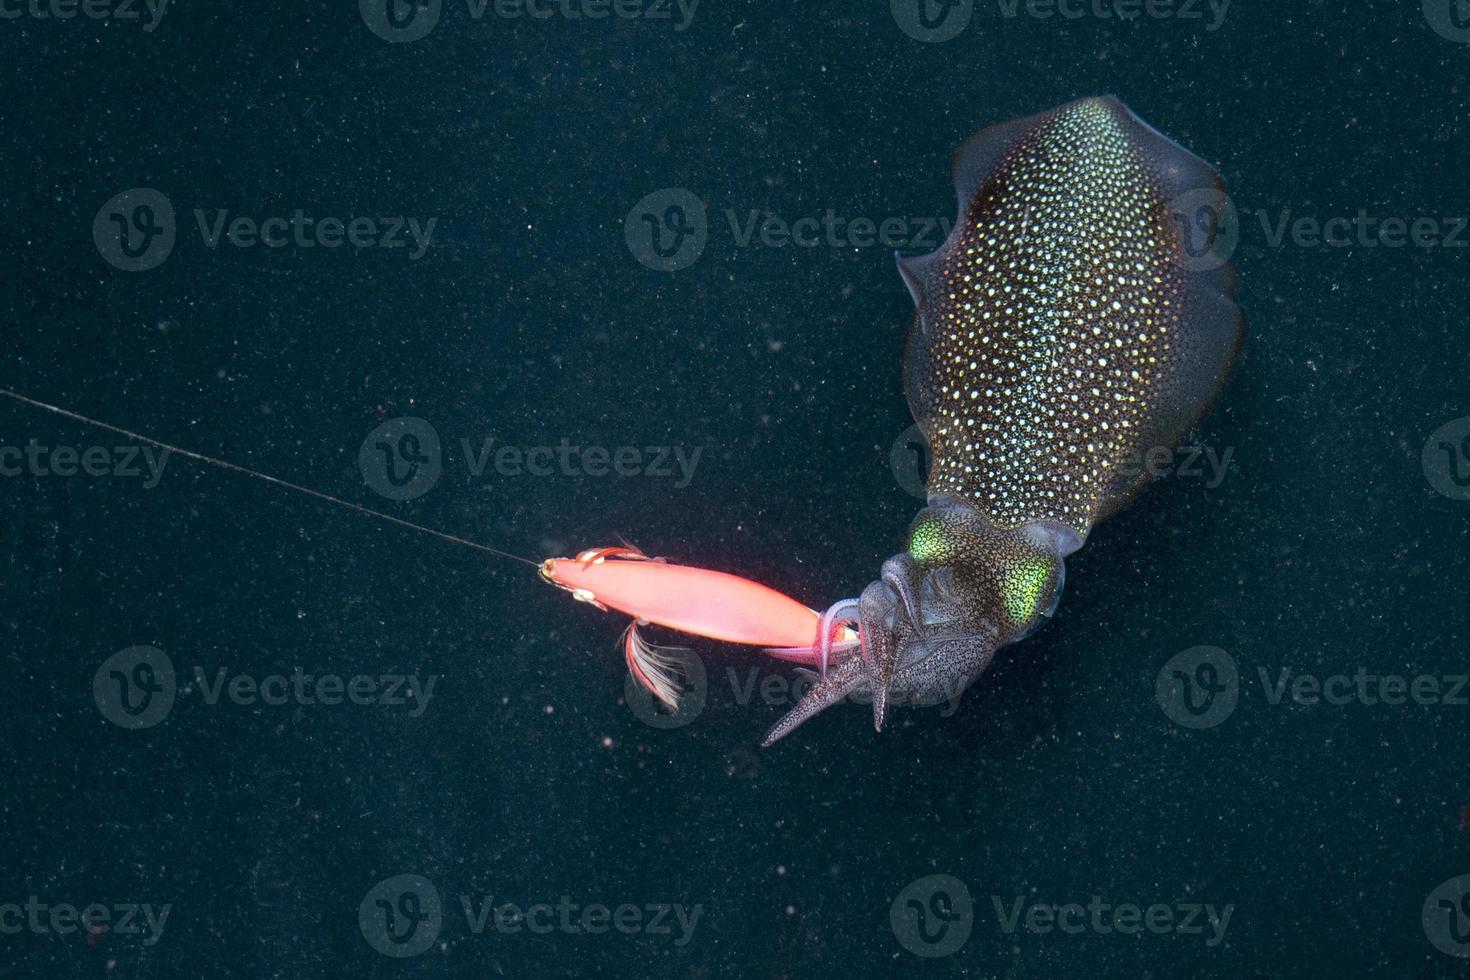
column 1023, row 586
column 930, row 545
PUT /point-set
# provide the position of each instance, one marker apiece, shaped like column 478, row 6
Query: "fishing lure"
column 707, row 603
column 1062, row 330
column 699, row 601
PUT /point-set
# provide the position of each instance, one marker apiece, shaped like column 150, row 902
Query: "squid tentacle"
column 844, row 679
column 845, row 612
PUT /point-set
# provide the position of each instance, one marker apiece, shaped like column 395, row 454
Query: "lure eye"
column 938, row 597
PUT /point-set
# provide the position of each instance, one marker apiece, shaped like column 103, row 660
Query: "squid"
column 1065, row 328
column 1067, row 325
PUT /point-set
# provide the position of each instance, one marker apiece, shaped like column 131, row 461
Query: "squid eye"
column 1023, row 588
column 938, row 598
column 930, row 543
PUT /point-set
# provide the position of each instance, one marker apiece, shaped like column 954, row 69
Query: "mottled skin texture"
column 1062, row 331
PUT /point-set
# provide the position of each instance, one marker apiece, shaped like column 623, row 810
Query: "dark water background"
column 1326, row 548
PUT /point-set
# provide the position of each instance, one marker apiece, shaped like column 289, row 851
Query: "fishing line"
column 266, row 477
